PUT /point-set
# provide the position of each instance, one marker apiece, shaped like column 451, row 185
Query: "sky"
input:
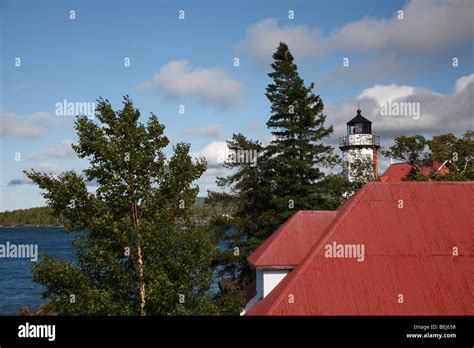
column 170, row 54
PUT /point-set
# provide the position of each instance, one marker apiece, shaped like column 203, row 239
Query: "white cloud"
column 462, row 83
column 439, row 113
column 207, row 131
column 383, row 94
column 427, row 26
column 263, row 38
column 60, row 151
column 215, row 153
column 208, row 179
column 31, row 127
column 210, row 85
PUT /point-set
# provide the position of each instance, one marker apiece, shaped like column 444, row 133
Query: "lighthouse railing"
column 359, row 139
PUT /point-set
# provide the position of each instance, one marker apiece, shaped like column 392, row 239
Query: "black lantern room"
column 359, row 125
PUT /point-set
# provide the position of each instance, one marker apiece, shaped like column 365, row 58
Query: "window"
column 356, row 128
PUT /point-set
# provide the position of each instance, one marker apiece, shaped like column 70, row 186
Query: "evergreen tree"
column 139, row 252
column 286, row 177
column 33, row 216
column 296, row 153
column 247, row 199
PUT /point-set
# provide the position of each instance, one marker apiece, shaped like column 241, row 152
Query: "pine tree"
column 247, row 199
column 138, row 253
column 286, row 177
column 296, row 153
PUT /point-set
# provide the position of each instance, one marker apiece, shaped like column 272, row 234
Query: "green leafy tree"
column 456, row 153
column 410, row 149
column 361, row 171
column 139, row 253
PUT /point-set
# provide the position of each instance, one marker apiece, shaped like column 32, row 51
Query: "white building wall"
column 266, row 280
column 271, row 278
column 349, row 155
column 359, row 139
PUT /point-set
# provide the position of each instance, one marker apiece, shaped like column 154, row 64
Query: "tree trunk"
column 140, row 262
column 141, row 276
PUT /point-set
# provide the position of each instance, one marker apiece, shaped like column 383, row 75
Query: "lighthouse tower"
column 359, row 143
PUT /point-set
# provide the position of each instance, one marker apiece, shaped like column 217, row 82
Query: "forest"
column 42, row 216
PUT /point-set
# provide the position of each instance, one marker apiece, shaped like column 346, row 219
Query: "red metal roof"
column 291, row 241
column 398, row 171
column 408, row 251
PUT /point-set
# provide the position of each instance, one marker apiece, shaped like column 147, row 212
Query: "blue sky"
column 190, row 62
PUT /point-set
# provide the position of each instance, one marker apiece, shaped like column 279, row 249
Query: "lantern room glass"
column 359, row 128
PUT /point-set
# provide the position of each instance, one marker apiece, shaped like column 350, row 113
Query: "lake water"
column 16, row 287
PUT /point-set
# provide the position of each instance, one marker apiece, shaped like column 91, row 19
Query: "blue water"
column 16, row 287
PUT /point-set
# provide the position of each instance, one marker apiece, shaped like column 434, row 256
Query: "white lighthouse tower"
column 359, row 143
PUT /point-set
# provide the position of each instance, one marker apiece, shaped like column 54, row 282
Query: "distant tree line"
column 41, row 216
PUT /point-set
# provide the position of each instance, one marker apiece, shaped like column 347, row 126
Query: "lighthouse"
column 359, row 146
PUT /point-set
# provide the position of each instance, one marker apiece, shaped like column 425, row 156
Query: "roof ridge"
column 303, row 264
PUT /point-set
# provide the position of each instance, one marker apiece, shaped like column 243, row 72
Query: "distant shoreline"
column 45, row 217
column 32, row 225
